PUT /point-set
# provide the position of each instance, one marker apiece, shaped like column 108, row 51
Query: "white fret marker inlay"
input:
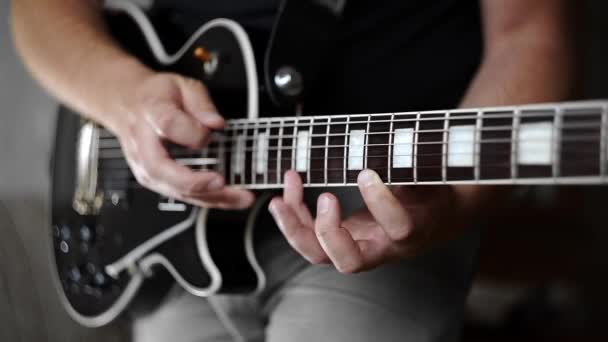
column 461, row 146
column 261, row 157
column 356, row 145
column 534, row 143
column 402, row 148
column 239, row 168
column 302, row 152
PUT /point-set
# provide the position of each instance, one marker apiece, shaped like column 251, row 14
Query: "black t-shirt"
column 390, row 55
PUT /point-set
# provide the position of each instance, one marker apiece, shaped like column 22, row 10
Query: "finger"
column 158, row 170
column 227, row 198
column 196, row 101
column 300, row 237
column 293, row 195
column 170, row 123
column 336, row 241
column 384, row 206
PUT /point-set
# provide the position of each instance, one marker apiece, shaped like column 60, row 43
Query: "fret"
column 336, row 151
column 293, row 144
column 415, row 156
column 254, row 152
column 234, row 155
column 461, row 146
column 429, row 147
column 378, row 139
column 604, row 142
column 535, row 143
column 302, row 153
column 309, row 151
column 279, row 152
column 496, row 145
column 477, row 147
column 514, row 143
column 557, row 143
column 402, row 161
column 267, row 156
column 245, row 159
column 581, row 141
column 389, row 166
column 318, row 155
column 366, row 142
column 325, row 164
column 355, row 145
column 345, row 150
column 288, row 141
column 444, row 148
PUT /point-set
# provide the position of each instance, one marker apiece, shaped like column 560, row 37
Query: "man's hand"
column 169, row 107
column 397, row 222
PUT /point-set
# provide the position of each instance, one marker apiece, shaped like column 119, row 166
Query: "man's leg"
column 419, row 299
column 187, row 318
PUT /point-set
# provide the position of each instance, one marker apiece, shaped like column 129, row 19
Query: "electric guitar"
column 110, row 234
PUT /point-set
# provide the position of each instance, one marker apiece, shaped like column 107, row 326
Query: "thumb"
column 198, row 103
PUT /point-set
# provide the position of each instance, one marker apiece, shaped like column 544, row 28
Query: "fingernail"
column 273, row 211
column 368, row 178
column 323, row 205
column 212, row 115
column 271, row 208
column 216, row 184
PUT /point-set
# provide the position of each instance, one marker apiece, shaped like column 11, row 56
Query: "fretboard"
column 538, row 144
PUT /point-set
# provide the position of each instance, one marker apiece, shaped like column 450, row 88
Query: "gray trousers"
column 417, row 299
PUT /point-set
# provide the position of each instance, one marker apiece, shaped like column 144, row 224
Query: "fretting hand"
column 398, row 222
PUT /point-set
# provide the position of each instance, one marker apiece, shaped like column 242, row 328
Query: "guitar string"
column 582, row 163
column 240, row 124
column 289, row 135
column 117, row 153
column 335, row 176
column 571, row 150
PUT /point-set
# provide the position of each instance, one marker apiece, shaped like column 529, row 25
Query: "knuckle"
column 163, row 122
column 322, row 233
column 195, row 84
column 143, row 178
column 193, row 189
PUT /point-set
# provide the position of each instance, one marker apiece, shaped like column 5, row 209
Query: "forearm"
column 519, row 73
column 65, row 45
column 530, row 54
column 530, row 63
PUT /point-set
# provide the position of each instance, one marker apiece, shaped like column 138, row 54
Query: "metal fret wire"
column 390, row 151
column 415, row 157
column 327, row 131
column 556, row 139
column 514, row 140
column 444, row 147
column 477, row 146
column 604, row 143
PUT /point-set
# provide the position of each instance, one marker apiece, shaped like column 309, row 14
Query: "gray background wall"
column 29, row 310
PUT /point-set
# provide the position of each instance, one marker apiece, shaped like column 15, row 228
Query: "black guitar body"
column 125, row 234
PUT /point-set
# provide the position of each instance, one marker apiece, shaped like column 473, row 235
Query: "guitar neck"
column 538, row 144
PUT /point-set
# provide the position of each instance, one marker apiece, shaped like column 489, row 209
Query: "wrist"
column 117, row 101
